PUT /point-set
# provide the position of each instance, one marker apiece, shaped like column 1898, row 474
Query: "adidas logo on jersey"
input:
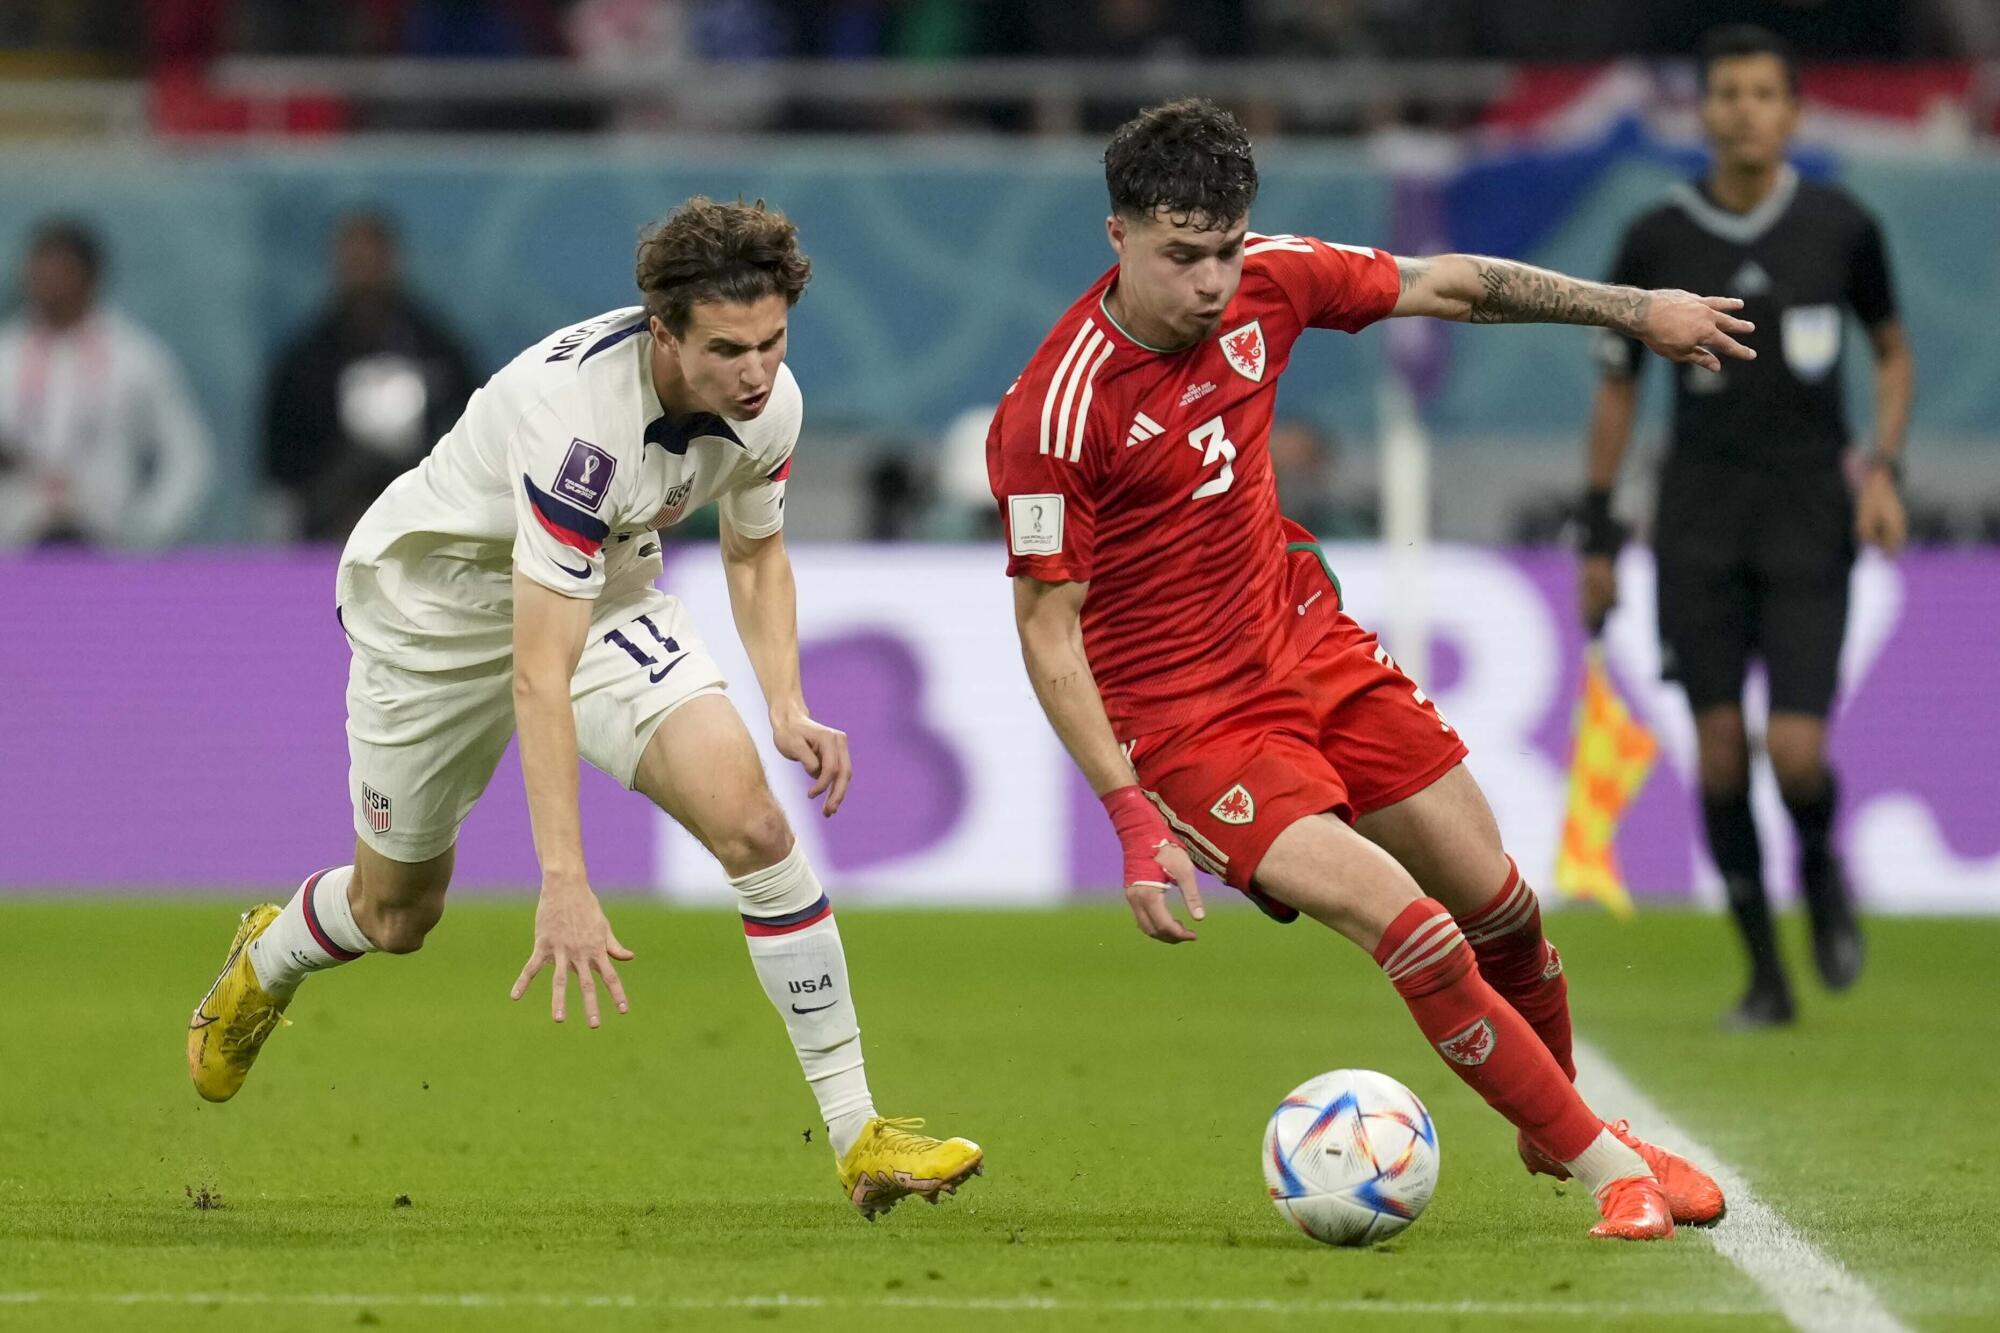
column 1143, row 429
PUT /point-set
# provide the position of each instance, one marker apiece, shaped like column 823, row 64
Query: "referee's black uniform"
column 1754, row 533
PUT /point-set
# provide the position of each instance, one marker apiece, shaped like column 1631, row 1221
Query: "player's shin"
column 314, row 931
column 1491, row 1046
column 795, row 947
column 1519, row 963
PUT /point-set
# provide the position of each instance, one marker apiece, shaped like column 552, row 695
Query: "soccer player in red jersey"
column 1189, row 646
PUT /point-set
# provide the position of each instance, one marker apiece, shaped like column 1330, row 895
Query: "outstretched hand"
column 1694, row 330
column 572, row 935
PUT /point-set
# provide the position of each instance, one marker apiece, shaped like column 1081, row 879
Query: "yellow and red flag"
column 1610, row 759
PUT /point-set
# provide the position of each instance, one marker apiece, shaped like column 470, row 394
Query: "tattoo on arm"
column 1410, row 272
column 1512, row 293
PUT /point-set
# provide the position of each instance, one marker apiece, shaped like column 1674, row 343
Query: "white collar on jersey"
column 1104, row 307
column 1742, row 228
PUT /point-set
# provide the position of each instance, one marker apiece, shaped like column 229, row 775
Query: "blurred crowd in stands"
column 163, row 32
column 101, row 441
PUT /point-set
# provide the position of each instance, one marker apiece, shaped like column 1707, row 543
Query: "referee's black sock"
column 1732, row 841
column 1812, row 818
column 1837, row 946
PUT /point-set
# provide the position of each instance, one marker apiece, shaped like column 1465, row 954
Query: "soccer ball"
column 1351, row 1157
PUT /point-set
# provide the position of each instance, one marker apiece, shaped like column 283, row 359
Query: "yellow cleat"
column 891, row 1160
column 230, row 1024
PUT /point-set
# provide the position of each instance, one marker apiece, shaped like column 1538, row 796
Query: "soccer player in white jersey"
column 508, row 583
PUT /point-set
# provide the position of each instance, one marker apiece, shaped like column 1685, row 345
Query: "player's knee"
column 401, row 929
column 396, row 915
column 759, row 836
column 1801, row 775
column 1724, row 763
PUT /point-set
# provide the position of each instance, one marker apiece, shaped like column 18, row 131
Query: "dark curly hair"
column 1188, row 159
column 706, row 251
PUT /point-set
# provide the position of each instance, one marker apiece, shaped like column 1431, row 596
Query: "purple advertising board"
column 175, row 723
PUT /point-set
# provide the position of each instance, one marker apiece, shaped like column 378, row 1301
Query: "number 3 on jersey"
column 1213, row 441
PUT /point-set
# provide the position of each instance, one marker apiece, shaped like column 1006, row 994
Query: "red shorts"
column 1344, row 732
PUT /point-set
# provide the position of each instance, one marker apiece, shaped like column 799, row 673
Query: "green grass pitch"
column 656, row 1174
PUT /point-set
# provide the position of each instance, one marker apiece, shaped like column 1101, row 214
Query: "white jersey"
column 564, row 464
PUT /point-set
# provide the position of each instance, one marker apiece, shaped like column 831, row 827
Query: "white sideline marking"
column 1810, row 1288
column 1595, row 1311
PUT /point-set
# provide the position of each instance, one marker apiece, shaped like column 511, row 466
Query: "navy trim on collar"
column 675, row 436
column 613, row 338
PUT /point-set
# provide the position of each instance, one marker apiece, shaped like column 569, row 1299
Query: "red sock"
column 1506, row 937
column 1487, row 1043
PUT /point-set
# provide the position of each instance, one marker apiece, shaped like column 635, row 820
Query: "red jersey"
column 1148, row 475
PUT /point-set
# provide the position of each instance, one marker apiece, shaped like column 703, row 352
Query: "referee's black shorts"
column 1753, row 564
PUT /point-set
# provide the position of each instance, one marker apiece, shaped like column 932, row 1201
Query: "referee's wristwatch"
column 1599, row 531
column 1879, row 462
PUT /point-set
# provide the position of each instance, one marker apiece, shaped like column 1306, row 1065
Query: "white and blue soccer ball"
column 1351, row 1157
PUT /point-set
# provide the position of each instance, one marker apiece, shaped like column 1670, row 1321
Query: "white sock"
column 1606, row 1160
column 795, row 947
column 315, row 931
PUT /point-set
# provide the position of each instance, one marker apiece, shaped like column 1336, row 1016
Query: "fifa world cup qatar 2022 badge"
column 1244, row 350
column 585, row 478
column 1035, row 524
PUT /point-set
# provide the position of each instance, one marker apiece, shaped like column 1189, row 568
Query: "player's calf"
column 1519, row 962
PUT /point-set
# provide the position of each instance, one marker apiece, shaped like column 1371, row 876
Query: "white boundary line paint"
column 1598, row 1312
column 1810, row 1288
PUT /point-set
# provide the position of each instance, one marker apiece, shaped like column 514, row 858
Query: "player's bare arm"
column 763, row 597
column 571, row 934
column 1049, row 618
column 1879, row 519
column 1476, row 289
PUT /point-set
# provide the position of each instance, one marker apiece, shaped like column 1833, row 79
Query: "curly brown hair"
column 1189, row 160
column 709, row 251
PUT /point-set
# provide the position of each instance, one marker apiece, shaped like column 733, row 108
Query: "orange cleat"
column 1692, row 1194
column 1634, row 1209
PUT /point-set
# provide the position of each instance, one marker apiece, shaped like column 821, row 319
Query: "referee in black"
column 1758, row 523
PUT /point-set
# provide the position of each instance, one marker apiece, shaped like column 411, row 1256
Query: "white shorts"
column 422, row 745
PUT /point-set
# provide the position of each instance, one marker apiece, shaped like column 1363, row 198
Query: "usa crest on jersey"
column 378, row 808
column 1244, row 350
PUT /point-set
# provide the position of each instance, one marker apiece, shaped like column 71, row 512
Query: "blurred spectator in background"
column 966, row 510
column 99, row 439
column 905, row 29
column 361, row 395
column 650, row 37
column 493, row 29
column 1306, row 460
